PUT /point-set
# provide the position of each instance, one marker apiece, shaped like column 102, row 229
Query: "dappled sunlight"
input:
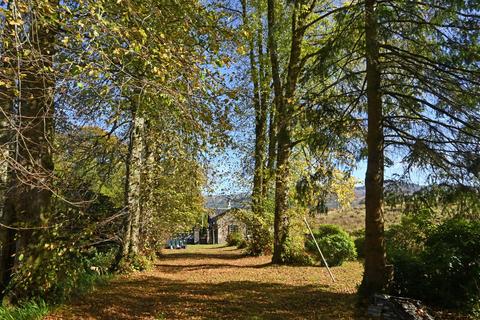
column 221, row 283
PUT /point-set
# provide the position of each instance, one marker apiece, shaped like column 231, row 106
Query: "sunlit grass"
column 31, row 310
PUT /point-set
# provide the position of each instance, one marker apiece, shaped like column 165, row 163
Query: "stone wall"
column 387, row 307
column 226, row 220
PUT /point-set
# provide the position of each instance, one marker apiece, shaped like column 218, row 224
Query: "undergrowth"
column 37, row 309
column 31, row 310
column 92, row 271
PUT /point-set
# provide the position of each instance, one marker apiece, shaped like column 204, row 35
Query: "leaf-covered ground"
column 212, row 282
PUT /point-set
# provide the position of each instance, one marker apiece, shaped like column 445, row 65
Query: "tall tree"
column 29, row 194
column 420, row 91
column 285, row 101
column 252, row 16
column 406, row 66
column 375, row 275
column 134, row 183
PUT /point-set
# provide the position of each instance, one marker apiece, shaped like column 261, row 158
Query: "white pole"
column 318, row 247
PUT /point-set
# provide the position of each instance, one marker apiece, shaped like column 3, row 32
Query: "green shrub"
column 299, row 258
column 359, row 240
column 30, row 310
column 243, row 244
column 325, row 230
column 337, row 246
column 234, row 238
column 446, row 272
column 136, row 263
column 360, row 247
column 452, row 257
column 260, row 240
column 410, row 235
column 295, row 253
column 409, row 276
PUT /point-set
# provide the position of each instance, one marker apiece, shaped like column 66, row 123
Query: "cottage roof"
column 220, row 212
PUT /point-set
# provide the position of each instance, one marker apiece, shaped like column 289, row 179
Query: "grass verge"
column 31, row 310
column 37, row 309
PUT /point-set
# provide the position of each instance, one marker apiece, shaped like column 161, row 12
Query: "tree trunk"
column 7, row 216
column 375, row 276
column 259, row 103
column 148, row 189
column 30, row 193
column 264, row 81
column 272, row 146
column 285, row 102
column 134, row 184
column 280, row 227
column 28, row 147
column 281, row 219
column 128, row 225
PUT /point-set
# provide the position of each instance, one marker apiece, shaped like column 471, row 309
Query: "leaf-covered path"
column 211, row 282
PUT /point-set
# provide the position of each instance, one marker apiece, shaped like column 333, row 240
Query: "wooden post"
column 318, row 247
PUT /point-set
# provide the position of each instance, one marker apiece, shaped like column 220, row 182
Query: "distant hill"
column 242, row 200
column 390, row 186
column 220, row 203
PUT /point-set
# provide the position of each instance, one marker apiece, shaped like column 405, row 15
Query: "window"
column 232, row 228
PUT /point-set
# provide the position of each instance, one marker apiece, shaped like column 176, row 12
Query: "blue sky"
column 226, row 174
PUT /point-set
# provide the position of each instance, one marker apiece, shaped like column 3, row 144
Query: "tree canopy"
column 112, row 111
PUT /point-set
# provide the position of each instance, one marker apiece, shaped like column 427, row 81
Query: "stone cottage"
column 224, row 223
column 222, row 219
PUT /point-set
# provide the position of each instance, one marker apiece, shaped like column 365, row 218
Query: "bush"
column 452, row 257
column 447, row 271
column 337, row 246
column 299, row 258
column 136, row 263
column 326, row 230
column 360, row 247
column 30, row 310
column 235, row 238
column 243, row 244
column 359, row 241
column 260, row 239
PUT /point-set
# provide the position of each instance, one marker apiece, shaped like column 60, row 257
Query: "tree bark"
column 257, row 74
column 285, row 104
column 148, row 187
column 262, row 117
column 272, row 146
column 375, row 275
column 259, row 156
column 282, row 140
column 134, row 183
column 29, row 194
column 7, row 217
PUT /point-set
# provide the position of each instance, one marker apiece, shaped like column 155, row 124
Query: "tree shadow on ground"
column 158, row 298
column 169, row 268
column 202, row 255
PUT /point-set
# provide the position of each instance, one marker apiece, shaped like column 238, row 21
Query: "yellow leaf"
column 16, row 22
